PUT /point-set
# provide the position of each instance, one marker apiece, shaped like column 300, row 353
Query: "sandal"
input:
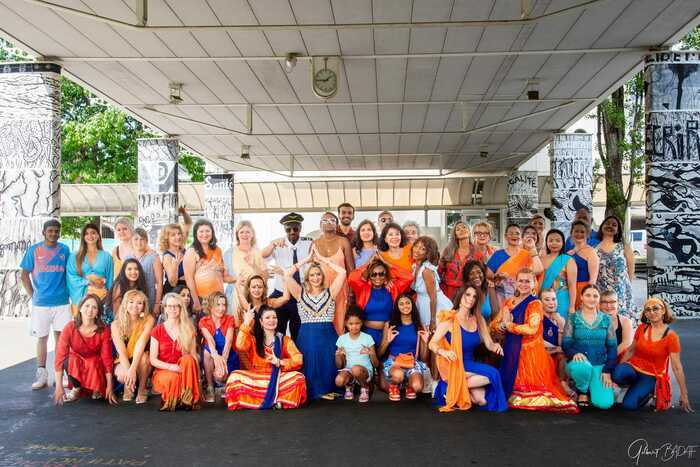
column 583, row 401
column 142, row 398
column 128, row 395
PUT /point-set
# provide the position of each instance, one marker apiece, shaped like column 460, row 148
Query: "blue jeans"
column 641, row 386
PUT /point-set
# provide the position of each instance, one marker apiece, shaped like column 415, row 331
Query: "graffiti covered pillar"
column 672, row 83
column 571, row 169
column 30, row 175
column 522, row 197
column 157, row 201
column 218, row 207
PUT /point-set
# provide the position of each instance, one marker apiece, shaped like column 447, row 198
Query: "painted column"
column 571, row 169
column 30, row 172
column 218, row 207
column 522, row 197
column 672, row 83
column 157, row 201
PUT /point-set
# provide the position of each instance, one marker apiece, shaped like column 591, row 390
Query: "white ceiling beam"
column 315, row 27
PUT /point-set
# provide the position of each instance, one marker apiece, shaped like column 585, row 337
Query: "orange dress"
column 250, row 389
column 341, row 300
column 177, row 389
column 405, row 261
column 537, row 385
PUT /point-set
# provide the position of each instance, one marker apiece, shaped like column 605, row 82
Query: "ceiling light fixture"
column 245, row 151
column 533, row 89
column 290, row 61
column 175, row 93
column 484, row 150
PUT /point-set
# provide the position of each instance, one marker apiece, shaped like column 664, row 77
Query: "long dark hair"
column 78, row 319
column 467, row 269
column 357, row 243
column 82, row 250
column 563, row 241
column 259, row 332
column 395, row 319
column 122, row 284
column 382, row 244
column 179, row 288
column 195, row 243
column 618, row 238
column 476, row 309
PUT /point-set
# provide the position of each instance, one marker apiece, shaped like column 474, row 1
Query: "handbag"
column 407, row 360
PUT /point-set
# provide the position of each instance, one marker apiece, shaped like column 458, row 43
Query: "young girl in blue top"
column 406, row 342
column 355, row 357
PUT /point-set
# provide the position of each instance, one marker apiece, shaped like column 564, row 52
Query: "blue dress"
column 378, row 308
column 316, row 342
column 220, row 341
column 495, row 398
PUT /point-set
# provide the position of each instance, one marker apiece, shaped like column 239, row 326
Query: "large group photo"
column 342, row 232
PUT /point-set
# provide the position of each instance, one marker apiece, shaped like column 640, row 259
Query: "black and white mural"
column 218, row 207
column 157, row 200
column 672, row 83
column 522, row 197
column 30, row 158
column 571, row 169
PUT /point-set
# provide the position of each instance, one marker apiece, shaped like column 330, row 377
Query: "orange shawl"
column 453, row 373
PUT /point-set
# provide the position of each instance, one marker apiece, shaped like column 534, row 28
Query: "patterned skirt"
column 247, row 389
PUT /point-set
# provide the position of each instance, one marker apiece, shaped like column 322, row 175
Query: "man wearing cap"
column 287, row 251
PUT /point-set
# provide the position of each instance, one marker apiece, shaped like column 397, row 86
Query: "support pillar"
column 30, row 168
column 522, row 197
column 571, row 169
column 218, row 207
column 672, row 83
column 157, row 181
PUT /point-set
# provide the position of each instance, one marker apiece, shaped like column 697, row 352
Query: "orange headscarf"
column 453, row 373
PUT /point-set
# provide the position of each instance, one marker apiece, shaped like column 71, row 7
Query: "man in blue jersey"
column 44, row 280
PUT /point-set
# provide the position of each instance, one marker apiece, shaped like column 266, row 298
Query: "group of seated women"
column 494, row 333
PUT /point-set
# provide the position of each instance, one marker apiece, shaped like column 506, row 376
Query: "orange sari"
column 178, row 389
column 457, row 396
column 502, row 263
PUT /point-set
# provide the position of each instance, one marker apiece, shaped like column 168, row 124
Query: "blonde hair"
column 122, row 318
column 212, row 300
column 242, row 224
column 485, row 225
column 185, row 327
column 164, row 236
column 307, row 285
column 668, row 314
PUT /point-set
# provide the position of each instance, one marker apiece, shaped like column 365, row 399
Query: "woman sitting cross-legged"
column 131, row 331
column 273, row 380
column 84, row 350
column 462, row 380
column 219, row 356
column 644, row 366
column 406, row 341
column 174, row 356
column 591, row 348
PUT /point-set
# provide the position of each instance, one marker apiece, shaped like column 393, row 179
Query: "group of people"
column 545, row 323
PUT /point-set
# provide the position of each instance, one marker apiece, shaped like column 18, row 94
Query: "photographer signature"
column 666, row 452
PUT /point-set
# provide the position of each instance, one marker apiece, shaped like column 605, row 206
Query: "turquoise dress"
column 78, row 284
column 555, row 278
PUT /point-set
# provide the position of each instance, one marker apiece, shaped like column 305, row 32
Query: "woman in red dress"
column 174, row 357
column 85, row 351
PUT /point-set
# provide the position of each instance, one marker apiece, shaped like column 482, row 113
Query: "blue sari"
column 511, row 348
column 553, row 280
column 271, row 394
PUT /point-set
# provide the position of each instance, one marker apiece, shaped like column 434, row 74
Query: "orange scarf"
column 453, row 372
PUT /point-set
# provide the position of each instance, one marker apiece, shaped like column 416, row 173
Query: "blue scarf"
column 511, row 348
column 271, row 394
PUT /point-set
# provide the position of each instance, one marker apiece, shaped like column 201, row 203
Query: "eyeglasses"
column 653, row 308
column 378, row 274
column 292, row 229
column 328, row 221
column 480, row 233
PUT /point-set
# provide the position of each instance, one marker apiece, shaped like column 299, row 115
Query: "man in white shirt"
column 287, row 251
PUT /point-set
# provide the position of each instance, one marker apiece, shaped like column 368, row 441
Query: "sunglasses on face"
column 378, row 274
column 656, row 308
column 385, row 220
column 292, row 229
column 328, row 221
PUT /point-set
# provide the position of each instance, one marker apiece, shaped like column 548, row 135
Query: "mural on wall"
column 218, row 207
column 571, row 168
column 672, row 82
column 522, row 197
column 157, row 181
column 30, row 158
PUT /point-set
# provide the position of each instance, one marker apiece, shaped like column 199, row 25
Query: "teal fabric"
column 587, row 380
column 596, row 341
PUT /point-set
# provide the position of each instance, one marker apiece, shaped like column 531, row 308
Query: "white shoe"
column 42, row 379
column 71, row 395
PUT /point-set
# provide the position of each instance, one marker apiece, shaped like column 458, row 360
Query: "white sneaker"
column 42, row 379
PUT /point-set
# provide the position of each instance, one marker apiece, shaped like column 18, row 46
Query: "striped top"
column 316, row 308
column 596, row 340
